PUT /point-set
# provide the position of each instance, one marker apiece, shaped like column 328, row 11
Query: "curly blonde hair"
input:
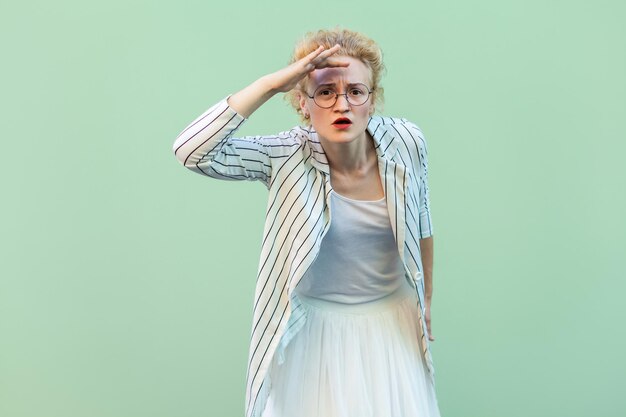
column 353, row 44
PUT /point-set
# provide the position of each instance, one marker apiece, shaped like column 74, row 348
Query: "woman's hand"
column 427, row 318
column 246, row 101
column 286, row 79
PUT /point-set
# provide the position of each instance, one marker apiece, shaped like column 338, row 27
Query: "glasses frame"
column 340, row 94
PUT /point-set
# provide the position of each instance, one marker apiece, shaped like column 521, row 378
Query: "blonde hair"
column 353, row 44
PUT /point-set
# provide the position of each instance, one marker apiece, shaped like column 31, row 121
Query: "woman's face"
column 323, row 119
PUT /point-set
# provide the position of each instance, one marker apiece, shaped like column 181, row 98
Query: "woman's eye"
column 325, row 92
column 356, row 92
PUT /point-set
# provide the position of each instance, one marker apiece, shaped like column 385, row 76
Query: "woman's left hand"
column 430, row 334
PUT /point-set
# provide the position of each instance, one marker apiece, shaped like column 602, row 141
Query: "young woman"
column 341, row 321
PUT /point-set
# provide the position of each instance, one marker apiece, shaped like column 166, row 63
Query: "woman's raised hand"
column 246, row 101
column 287, row 78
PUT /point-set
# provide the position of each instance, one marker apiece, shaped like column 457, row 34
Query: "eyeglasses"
column 326, row 96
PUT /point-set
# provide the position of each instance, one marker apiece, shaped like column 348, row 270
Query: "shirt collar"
column 386, row 143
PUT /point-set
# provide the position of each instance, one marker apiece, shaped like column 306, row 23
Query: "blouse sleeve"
column 425, row 219
column 207, row 146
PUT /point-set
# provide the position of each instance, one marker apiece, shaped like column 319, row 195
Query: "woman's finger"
column 307, row 60
column 333, row 62
column 324, row 54
column 331, row 51
column 321, row 58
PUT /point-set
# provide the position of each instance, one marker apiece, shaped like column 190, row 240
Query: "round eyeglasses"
column 326, row 96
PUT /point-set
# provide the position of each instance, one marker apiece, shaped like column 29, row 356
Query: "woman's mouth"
column 342, row 123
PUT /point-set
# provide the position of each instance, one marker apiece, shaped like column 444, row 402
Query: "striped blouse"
column 293, row 167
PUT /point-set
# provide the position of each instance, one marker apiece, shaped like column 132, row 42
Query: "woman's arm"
column 207, row 145
column 425, row 224
column 246, row 101
column 426, row 247
column 425, row 219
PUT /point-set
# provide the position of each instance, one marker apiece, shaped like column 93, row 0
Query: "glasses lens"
column 326, row 96
column 357, row 94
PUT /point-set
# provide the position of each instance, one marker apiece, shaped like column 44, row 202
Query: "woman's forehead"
column 338, row 80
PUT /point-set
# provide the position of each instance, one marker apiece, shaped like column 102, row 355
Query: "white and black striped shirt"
column 294, row 168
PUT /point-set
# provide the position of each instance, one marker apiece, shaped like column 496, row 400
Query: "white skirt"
column 354, row 360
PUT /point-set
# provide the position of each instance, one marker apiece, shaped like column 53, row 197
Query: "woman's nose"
column 342, row 102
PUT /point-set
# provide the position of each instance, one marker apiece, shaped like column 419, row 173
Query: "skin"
column 351, row 155
column 427, row 248
column 350, row 152
column 347, row 149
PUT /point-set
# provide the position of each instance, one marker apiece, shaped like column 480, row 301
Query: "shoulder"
column 406, row 130
column 301, row 133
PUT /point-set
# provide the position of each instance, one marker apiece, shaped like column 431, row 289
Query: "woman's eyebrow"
column 333, row 84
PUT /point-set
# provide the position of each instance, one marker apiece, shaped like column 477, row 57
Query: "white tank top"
column 358, row 260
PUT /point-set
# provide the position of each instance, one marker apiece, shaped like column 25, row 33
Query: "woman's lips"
column 342, row 123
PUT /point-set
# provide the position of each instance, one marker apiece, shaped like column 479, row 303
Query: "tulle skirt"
column 354, row 360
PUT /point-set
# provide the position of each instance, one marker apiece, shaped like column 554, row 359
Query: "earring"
column 306, row 115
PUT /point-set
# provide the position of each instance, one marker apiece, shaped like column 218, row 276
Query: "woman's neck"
column 351, row 158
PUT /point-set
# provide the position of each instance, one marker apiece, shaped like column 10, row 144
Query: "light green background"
column 127, row 281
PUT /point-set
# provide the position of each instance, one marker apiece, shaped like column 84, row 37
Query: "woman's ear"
column 303, row 104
